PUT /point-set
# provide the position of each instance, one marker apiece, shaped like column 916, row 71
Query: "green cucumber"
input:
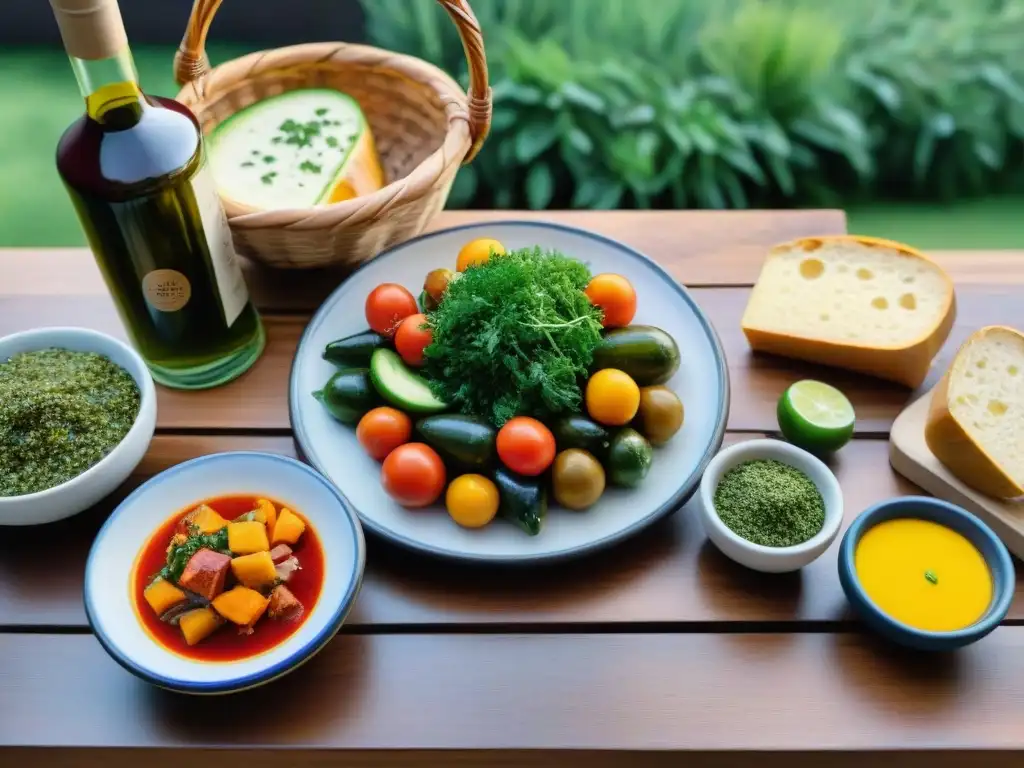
column 580, row 432
column 401, row 386
column 647, row 354
column 463, row 442
column 629, row 458
column 355, row 349
column 524, row 500
column 348, row 395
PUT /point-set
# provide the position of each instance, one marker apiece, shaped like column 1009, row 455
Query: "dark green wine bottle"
column 136, row 170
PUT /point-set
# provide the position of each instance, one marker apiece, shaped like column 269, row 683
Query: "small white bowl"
column 756, row 556
column 104, row 476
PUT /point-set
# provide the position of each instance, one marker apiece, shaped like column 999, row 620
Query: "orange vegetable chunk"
column 162, row 595
column 241, row 606
column 288, row 529
column 266, row 513
column 207, row 519
column 199, row 624
column 247, row 537
column 255, row 570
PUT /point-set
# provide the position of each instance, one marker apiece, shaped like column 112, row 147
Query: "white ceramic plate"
column 108, row 599
column 701, row 383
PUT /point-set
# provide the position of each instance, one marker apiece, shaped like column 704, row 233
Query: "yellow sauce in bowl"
column 923, row 574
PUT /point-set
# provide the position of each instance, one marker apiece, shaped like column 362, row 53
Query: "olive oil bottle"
column 136, row 170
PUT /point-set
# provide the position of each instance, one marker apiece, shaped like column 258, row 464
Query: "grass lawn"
column 40, row 99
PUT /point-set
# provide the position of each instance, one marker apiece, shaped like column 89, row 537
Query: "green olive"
column 578, row 479
column 660, row 414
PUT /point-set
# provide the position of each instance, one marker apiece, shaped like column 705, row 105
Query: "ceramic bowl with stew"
column 84, row 490
column 757, row 556
column 224, row 573
column 957, row 566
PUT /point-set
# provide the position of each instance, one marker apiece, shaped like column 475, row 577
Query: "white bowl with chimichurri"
column 77, row 414
column 770, row 506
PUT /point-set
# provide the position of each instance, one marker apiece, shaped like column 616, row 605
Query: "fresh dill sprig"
column 514, row 336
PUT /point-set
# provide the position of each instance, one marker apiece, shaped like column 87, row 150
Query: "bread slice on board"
column 975, row 423
column 869, row 305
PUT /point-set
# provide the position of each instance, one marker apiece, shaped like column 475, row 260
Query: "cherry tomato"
column 387, row 305
column 413, row 475
column 472, row 500
column 478, row 252
column 526, row 446
column 382, row 430
column 435, row 285
column 612, row 397
column 411, row 339
column 615, row 296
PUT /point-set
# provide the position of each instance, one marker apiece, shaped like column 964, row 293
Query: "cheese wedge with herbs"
column 861, row 303
column 976, row 420
column 302, row 148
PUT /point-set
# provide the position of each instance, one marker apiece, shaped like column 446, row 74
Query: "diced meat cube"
column 280, row 553
column 205, row 573
column 284, row 605
column 287, row 568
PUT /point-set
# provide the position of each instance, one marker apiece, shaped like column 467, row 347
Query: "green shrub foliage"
column 733, row 103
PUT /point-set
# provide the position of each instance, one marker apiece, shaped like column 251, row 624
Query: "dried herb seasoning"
column 770, row 503
column 61, row 411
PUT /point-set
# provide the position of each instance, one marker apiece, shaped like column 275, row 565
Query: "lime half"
column 815, row 416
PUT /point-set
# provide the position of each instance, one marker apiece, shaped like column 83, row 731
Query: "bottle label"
column 230, row 282
column 166, row 290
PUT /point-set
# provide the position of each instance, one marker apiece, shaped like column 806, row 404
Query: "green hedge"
column 734, row 103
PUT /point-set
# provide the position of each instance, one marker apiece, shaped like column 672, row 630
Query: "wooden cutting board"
column 910, row 456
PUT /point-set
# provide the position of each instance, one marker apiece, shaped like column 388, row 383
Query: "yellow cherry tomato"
column 478, row 252
column 472, row 501
column 612, row 397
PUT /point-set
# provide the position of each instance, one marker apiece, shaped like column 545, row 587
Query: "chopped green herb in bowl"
column 77, row 414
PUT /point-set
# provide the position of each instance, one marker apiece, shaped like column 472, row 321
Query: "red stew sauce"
column 228, row 643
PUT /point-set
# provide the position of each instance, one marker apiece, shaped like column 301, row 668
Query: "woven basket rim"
column 453, row 150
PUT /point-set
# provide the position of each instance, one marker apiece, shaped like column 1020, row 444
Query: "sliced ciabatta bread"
column 976, row 421
column 870, row 305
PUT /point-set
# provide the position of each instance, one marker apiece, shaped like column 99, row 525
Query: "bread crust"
column 908, row 364
column 952, row 445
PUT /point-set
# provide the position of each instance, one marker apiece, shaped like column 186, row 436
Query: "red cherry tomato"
column 382, row 430
column 387, row 305
column 615, row 296
column 411, row 339
column 413, row 475
column 526, row 446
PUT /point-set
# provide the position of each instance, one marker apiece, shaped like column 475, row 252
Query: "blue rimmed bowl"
column 109, row 569
column 951, row 516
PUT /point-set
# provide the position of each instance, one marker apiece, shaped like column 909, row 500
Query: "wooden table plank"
column 698, row 247
column 815, row 691
column 73, row 757
column 259, row 399
column 670, row 574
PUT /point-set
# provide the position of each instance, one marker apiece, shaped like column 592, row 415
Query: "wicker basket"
column 424, row 125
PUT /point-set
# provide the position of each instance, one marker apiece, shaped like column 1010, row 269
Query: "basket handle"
column 191, row 62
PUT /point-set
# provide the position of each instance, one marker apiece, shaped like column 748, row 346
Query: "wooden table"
column 633, row 656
